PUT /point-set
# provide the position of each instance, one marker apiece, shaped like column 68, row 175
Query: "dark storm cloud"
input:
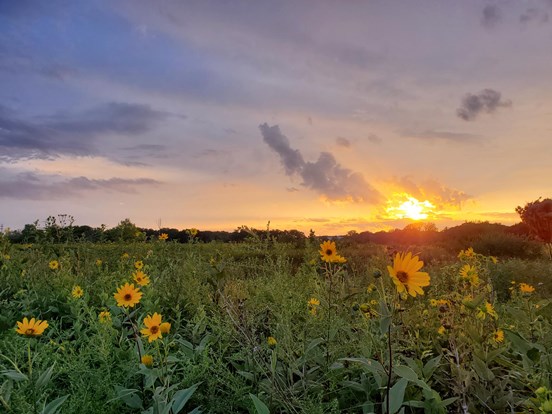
column 324, row 176
column 491, row 15
column 71, row 134
column 30, row 186
column 343, row 142
column 486, row 101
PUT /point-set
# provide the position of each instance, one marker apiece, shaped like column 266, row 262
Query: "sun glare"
column 410, row 208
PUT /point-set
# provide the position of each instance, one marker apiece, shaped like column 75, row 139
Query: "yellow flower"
column 125, row 256
column 406, row 275
column 328, row 253
column 433, row 302
column 314, row 302
column 77, row 292
column 371, row 287
column 165, row 327
column 147, row 360
column 498, row 336
column 104, row 316
column 525, row 288
column 441, row 330
column 486, row 309
column 271, row 341
column 7, row 257
column 193, row 232
column 34, row 327
column 469, row 273
column 163, row 236
column 373, row 302
column 141, row 278
column 494, row 259
column 469, row 253
column 138, row 264
column 54, row 264
column 127, row 295
column 153, row 327
column 98, row 262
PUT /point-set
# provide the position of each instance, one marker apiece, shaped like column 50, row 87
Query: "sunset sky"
column 328, row 115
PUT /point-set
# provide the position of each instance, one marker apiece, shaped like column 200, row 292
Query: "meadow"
column 155, row 326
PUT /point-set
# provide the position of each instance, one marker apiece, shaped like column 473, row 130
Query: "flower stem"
column 390, row 349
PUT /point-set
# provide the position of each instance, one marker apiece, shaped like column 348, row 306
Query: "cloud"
column 343, row 142
column 534, row 15
column 445, row 135
column 71, row 134
column 491, row 16
column 31, row 186
column 373, row 138
column 438, row 194
column 486, row 101
column 324, row 176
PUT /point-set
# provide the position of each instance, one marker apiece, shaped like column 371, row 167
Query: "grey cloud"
column 491, row 15
column 343, row 142
column 534, row 15
column 30, row 186
column 486, row 101
column 433, row 191
column 72, row 134
column 324, row 176
column 432, row 134
column 374, row 139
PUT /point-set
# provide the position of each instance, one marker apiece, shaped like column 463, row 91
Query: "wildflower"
column 371, row 287
column 373, row 302
column 468, row 253
column 147, row 360
column 54, row 264
column 163, row 236
column 406, row 275
column 525, row 288
column 271, row 341
column 498, row 336
column 469, row 273
column 153, row 327
column 141, row 278
column 439, row 302
column 494, row 259
column 165, row 327
column 193, row 232
column 127, row 295
column 34, row 327
column 313, row 304
column 77, row 292
column 125, row 256
column 104, row 316
column 7, row 257
column 441, row 330
column 98, row 262
column 328, row 253
column 486, row 309
column 138, row 264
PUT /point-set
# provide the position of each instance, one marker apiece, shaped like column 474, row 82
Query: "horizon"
column 336, row 117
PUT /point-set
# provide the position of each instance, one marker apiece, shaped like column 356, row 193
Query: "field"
column 261, row 326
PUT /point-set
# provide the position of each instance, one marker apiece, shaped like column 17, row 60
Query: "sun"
column 410, row 208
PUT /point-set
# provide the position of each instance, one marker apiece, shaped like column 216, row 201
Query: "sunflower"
column 127, row 295
column 141, row 278
column 153, row 327
column 77, row 292
column 147, row 360
column 271, row 341
column 104, row 316
column 406, row 275
column 138, row 264
column 54, row 264
column 313, row 304
column 469, row 273
column 163, row 236
column 328, row 253
column 34, row 327
column 498, row 336
column 525, row 288
column 99, row 262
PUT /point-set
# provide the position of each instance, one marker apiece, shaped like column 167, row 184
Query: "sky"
column 331, row 116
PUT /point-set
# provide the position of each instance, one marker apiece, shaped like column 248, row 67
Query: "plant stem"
column 390, row 349
column 329, row 274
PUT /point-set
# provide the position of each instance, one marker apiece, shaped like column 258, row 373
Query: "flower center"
column 30, row 331
column 402, row 276
column 128, row 297
column 154, row 329
column 329, row 252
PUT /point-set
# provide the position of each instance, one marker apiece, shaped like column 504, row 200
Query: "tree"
column 538, row 217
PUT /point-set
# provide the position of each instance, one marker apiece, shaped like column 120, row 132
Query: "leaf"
column 355, row 386
column 53, row 406
column 313, row 344
column 406, row 372
column 45, row 377
column 396, row 395
column 196, row 410
column 260, row 406
column 128, row 396
column 181, row 397
column 431, row 366
column 247, row 375
column 482, row 370
column 15, row 375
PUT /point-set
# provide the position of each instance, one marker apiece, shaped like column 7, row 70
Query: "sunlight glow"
column 411, row 208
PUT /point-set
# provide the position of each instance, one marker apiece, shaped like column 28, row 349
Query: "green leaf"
column 431, row 366
column 196, row 410
column 45, row 377
column 406, row 372
column 260, row 406
column 15, row 375
column 181, row 397
column 396, row 395
column 53, row 406
column 128, row 396
column 448, row 401
column 482, row 370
